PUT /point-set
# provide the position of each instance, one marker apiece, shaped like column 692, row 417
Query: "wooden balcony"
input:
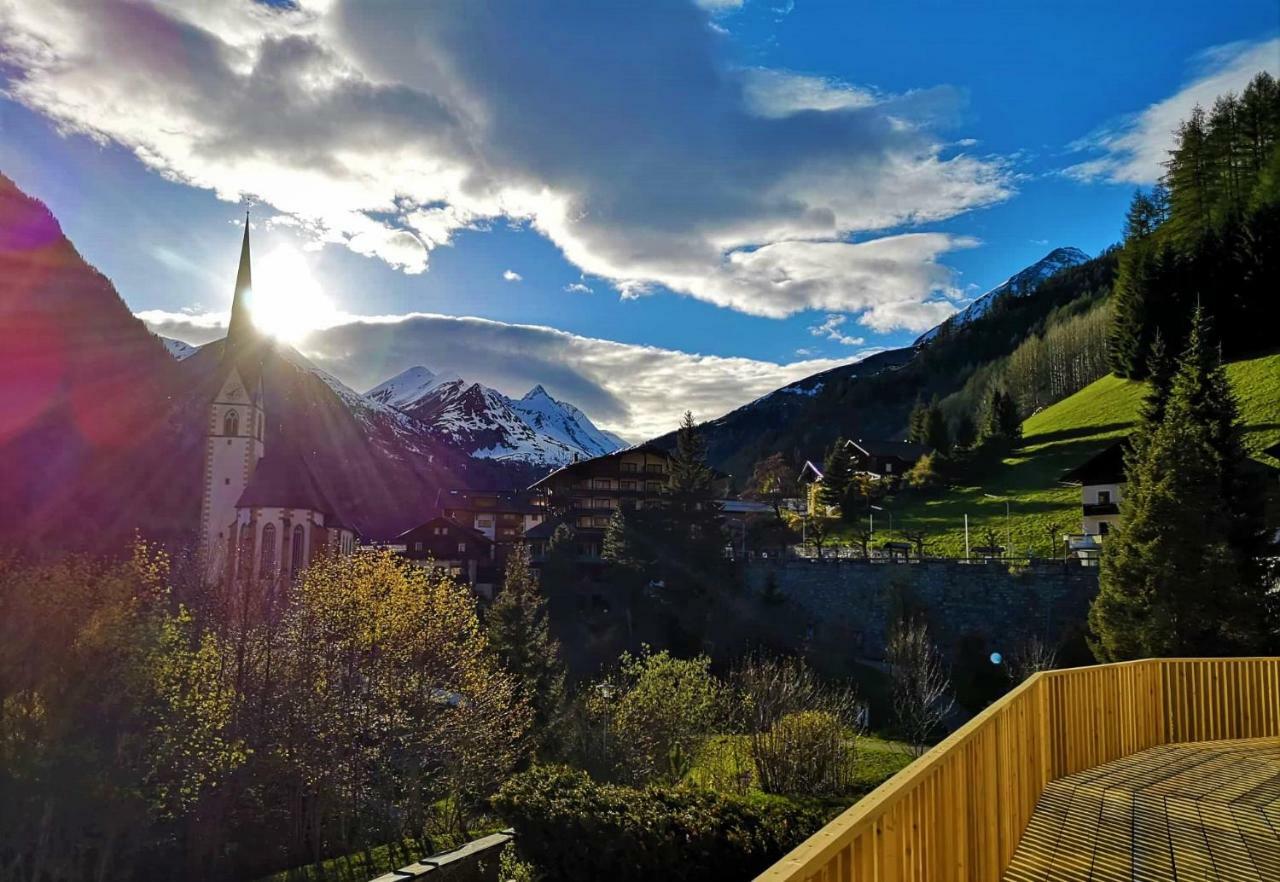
column 963, row 810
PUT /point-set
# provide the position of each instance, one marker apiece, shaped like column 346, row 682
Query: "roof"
column 644, row 447
column 285, row 481
column 905, row 450
column 810, row 467
column 508, row 500
column 544, row 530
column 462, row 530
column 1104, row 467
column 1273, row 450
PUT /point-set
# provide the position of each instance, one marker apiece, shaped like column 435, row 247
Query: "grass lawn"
column 726, row 757
column 1055, row 440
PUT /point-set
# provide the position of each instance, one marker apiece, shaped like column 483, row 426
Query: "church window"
column 295, row 554
column 267, row 567
column 231, row 423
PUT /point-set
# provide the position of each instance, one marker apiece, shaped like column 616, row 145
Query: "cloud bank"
column 617, row 130
column 636, row 391
column 1134, row 150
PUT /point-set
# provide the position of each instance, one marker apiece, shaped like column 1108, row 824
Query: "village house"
column 502, row 516
column 446, row 544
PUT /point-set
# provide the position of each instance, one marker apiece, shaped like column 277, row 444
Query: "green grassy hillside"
column 1055, row 440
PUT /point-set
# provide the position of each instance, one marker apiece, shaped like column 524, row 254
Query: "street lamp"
column 1008, row 532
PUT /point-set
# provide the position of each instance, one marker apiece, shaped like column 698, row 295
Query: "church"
column 263, row 518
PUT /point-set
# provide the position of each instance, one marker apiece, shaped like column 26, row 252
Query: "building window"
column 600, row 483
column 266, row 569
column 1104, row 497
column 462, row 548
column 888, row 468
column 630, row 468
column 296, row 552
column 1104, row 528
column 417, row 546
column 231, row 423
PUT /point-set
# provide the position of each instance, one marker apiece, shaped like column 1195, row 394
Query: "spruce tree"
column 935, row 435
column 837, row 473
column 694, row 526
column 1180, row 574
column 519, row 632
column 917, row 427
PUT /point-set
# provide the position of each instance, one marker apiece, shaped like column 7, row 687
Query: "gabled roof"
column 813, row 471
column 1104, row 467
column 463, row 531
column 644, row 447
column 904, row 450
column 508, row 500
column 285, row 481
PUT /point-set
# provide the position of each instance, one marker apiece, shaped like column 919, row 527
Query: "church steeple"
column 240, row 330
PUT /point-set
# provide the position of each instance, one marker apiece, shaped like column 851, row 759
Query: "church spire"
column 240, row 329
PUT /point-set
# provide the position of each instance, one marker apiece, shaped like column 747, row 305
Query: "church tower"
column 233, row 443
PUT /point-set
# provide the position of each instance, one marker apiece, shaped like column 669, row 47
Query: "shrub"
column 572, row 828
column 809, row 752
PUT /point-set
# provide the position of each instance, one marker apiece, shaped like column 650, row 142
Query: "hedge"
column 573, row 828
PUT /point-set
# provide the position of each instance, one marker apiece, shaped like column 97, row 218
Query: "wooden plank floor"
column 1184, row 812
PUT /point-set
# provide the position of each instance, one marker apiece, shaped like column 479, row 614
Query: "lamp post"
column 605, row 691
column 1008, row 531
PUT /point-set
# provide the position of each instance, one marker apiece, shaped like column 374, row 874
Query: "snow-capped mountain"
column 482, row 421
column 177, row 348
column 1018, row 285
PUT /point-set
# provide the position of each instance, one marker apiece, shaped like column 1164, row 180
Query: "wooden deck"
column 1203, row 811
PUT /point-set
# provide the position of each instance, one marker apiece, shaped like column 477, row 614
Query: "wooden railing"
column 958, row 812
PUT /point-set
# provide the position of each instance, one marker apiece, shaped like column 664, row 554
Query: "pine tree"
column 1180, row 575
column 837, row 473
column 935, row 435
column 963, row 432
column 917, row 427
column 1159, row 372
column 693, row 525
column 519, row 633
column 1000, row 422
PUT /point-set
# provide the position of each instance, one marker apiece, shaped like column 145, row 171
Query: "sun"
column 287, row 301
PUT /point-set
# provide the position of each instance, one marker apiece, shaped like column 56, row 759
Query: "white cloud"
column 577, row 288
column 637, row 391
column 1133, row 151
column 389, row 127
column 512, row 276
column 830, row 329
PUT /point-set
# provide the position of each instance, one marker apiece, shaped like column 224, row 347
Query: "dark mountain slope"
column 872, row 398
column 85, row 392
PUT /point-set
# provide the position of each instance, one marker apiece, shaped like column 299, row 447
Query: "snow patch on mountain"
column 178, row 349
column 485, row 423
column 1018, row 285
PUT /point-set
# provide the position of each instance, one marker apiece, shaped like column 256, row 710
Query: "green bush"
column 808, row 752
column 572, row 828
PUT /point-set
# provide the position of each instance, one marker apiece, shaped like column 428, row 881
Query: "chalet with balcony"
column 585, row 494
column 1101, row 481
column 502, row 516
column 885, row 459
column 443, row 543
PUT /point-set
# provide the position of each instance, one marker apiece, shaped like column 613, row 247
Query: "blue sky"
column 724, row 181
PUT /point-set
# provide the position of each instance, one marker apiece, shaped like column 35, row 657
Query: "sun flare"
column 287, row 301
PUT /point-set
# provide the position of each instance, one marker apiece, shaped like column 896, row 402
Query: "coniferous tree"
column 518, row 629
column 837, row 474
column 693, row 523
column 917, row 422
column 963, row 431
column 1180, row 574
column 935, row 435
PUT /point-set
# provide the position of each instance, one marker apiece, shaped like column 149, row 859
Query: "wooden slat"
column 961, row 811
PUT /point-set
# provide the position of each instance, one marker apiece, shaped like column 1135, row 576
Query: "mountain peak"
column 1020, row 284
column 536, row 392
